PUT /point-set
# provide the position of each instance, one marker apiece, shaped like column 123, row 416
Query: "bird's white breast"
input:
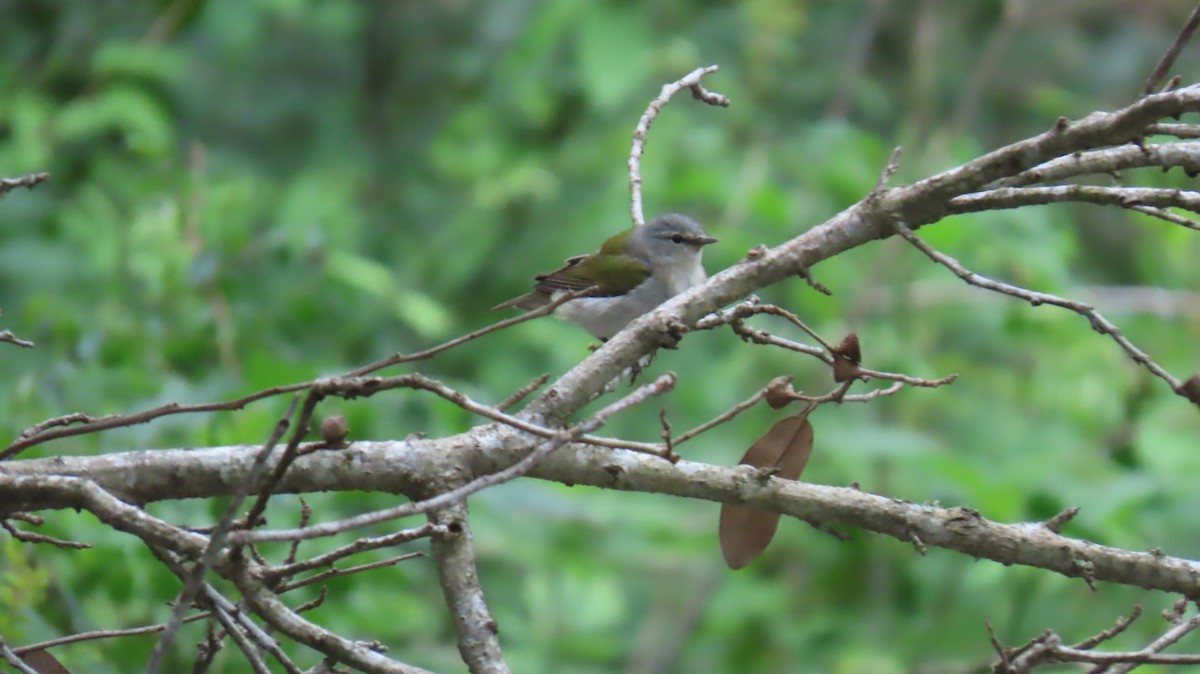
column 605, row 316
column 684, row 276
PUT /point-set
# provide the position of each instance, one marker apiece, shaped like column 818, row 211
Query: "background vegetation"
column 253, row 193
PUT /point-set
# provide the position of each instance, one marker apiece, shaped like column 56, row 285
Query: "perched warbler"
column 632, row 273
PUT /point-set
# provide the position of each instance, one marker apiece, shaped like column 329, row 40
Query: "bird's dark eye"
column 677, row 238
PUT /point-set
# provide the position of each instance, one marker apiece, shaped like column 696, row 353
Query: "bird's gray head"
column 671, row 240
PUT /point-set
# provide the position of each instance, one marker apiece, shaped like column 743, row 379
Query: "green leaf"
column 361, row 273
column 423, row 314
column 139, row 59
column 134, row 113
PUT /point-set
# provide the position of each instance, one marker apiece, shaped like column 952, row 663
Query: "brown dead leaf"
column 745, row 532
column 1191, row 388
column 847, row 356
column 779, row 392
column 44, row 663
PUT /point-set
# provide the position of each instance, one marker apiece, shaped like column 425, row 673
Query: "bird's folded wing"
column 610, row 274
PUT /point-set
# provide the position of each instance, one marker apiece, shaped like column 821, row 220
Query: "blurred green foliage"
column 247, row 194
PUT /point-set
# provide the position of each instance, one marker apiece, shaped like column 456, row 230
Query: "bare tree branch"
column 1168, row 59
column 8, row 337
column 215, row 546
column 360, row 545
column 477, row 630
column 33, row 537
column 689, row 81
column 105, row 634
column 1186, row 131
column 1048, row 649
column 1099, row 323
column 1124, row 197
column 277, row 614
column 1181, row 629
column 1109, row 160
column 520, row 467
column 29, row 181
column 394, row 466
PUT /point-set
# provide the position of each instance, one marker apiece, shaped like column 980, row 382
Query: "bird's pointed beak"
column 706, row 240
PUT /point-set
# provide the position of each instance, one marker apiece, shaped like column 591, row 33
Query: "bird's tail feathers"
column 527, row 302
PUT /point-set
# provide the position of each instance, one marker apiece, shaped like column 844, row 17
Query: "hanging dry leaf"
column 745, row 532
column 846, row 358
column 1191, row 388
column 44, row 663
column 779, row 392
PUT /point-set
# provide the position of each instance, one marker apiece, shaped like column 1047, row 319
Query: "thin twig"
column 33, row 537
column 1098, row 322
column 1168, row 216
column 1060, row 520
column 398, row 358
column 64, row 420
column 838, row 395
column 240, row 639
column 652, row 448
column 28, row 438
column 305, row 518
column 9, row 184
column 1168, row 59
column 216, row 543
column 207, row 648
column 1124, row 197
column 759, row 336
column 41, row 432
column 105, row 634
column 523, row 392
column 1001, row 651
column 360, row 545
column 733, row 318
column 1177, row 632
column 252, row 630
column 279, row 616
column 806, row 274
column 28, row 518
column 907, row 379
column 668, row 443
column 315, row 395
column 1118, row 627
column 336, row 573
column 795, row 320
column 723, row 417
column 317, row 601
column 889, row 171
column 150, row 629
column 689, row 81
column 8, row 337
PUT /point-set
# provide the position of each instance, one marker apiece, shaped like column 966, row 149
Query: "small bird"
column 632, row 273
